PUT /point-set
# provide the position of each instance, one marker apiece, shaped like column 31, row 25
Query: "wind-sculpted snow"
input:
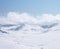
column 23, row 31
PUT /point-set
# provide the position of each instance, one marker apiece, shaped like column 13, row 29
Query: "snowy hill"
column 21, row 31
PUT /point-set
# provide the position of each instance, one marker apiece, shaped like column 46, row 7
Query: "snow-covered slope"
column 29, row 34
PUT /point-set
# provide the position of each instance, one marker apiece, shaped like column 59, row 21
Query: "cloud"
column 14, row 17
column 24, row 17
column 49, row 18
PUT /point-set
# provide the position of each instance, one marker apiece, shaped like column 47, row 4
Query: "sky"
column 33, row 7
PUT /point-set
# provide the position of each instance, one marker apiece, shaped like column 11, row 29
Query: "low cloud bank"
column 14, row 17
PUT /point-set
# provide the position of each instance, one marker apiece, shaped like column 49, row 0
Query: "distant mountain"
column 7, row 25
column 18, row 27
column 3, row 31
column 47, row 26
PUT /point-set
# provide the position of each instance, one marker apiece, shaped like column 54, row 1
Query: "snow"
column 30, row 39
column 30, row 35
